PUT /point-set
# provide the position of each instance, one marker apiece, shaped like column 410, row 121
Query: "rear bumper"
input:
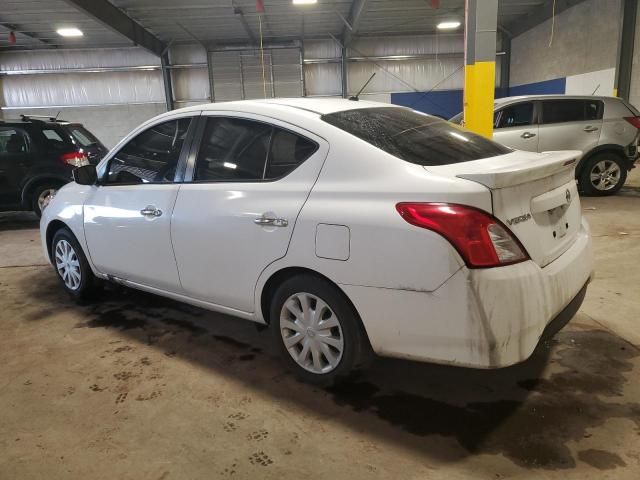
column 486, row 318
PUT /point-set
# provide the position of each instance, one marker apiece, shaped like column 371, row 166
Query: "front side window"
column 239, row 150
column 414, row 137
column 150, row 157
column 13, row 141
column 518, row 115
column 563, row 111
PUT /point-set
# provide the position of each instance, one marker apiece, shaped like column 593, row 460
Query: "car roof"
column 320, row 106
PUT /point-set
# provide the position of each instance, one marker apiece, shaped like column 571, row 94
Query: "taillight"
column 635, row 121
column 75, row 159
column 481, row 239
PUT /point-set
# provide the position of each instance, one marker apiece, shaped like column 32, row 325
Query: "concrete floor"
column 141, row 387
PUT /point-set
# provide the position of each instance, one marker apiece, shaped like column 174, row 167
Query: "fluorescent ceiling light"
column 69, row 32
column 304, row 2
column 230, row 165
column 448, row 25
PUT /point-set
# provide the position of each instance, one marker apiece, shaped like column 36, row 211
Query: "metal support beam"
column 625, row 49
column 541, row 14
column 114, row 18
column 17, row 29
column 345, row 75
column 166, row 81
column 481, row 23
column 245, row 25
column 505, row 63
column 358, row 7
column 212, row 92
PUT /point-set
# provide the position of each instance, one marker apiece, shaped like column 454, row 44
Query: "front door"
column 127, row 217
column 515, row 127
column 16, row 155
column 250, row 179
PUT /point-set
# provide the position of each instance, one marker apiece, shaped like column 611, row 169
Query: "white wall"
column 585, row 40
column 109, row 104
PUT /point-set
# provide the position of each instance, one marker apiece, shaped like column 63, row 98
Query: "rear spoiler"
column 497, row 174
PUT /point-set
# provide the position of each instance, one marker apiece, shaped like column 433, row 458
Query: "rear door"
column 515, row 126
column 250, row 178
column 570, row 124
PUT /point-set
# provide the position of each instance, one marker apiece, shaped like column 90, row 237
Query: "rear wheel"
column 603, row 174
column 317, row 330
column 72, row 267
column 42, row 194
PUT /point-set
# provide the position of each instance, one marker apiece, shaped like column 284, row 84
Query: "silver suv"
column 605, row 129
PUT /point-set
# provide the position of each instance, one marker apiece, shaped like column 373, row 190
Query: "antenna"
column 355, row 97
column 594, row 92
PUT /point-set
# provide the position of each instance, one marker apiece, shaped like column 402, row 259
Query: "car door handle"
column 528, row 135
column 590, row 129
column 150, row 211
column 273, row 222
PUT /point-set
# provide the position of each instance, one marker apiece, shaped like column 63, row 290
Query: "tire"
column 325, row 362
column 71, row 267
column 603, row 174
column 40, row 194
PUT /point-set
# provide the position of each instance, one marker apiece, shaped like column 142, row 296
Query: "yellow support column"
column 480, row 65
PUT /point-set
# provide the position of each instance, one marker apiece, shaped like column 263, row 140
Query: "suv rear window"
column 415, row 137
column 81, row 135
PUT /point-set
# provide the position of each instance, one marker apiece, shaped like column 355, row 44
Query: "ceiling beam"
column 540, row 14
column 358, row 7
column 16, row 29
column 240, row 14
column 114, row 18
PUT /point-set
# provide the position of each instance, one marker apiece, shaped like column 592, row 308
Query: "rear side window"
column 151, row 156
column 415, row 137
column 239, row 150
column 54, row 140
column 518, row 115
column 13, row 141
column 563, row 111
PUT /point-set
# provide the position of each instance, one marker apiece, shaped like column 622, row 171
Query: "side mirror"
column 85, row 175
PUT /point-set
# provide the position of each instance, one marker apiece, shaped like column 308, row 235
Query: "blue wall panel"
column 555, row 86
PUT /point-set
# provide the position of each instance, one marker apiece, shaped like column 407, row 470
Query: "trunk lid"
column 533, row 194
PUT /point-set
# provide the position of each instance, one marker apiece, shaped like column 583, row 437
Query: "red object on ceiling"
column 259, row 6
column 12, row 38
column 434, row 3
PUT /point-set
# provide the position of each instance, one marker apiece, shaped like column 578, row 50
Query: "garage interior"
column 137, row 386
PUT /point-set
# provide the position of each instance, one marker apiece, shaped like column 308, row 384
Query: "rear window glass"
column 83, row 136
column 415, row 137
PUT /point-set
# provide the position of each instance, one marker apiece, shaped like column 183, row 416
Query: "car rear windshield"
column 83, row 136
column 415, row 137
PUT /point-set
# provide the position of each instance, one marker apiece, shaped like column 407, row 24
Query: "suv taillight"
column 635, row 121
column 75, row 159
column 481, row 239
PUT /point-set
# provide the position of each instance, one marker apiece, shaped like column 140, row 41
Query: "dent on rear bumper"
column 487, row 318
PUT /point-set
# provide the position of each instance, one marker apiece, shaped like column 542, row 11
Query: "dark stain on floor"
column 533, row 429
column 601, row 459
column 523, row 412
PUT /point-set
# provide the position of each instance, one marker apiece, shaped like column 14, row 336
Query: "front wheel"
column 72, row 267
column 603, row 174
column 317, row 330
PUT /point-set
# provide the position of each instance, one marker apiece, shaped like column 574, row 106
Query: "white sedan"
column 349, row 227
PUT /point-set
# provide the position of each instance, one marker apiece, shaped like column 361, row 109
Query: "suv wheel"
column 41, row 195
column 72, row 267
column 317, row 330
column 603, row 174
